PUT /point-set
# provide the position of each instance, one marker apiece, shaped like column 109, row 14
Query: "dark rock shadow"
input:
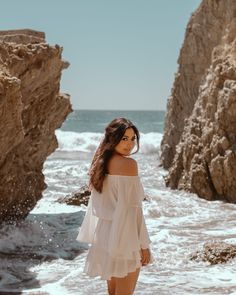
column 40, row 238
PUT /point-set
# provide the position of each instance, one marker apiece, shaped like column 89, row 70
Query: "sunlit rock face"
column 31, row 108
column 199, row 143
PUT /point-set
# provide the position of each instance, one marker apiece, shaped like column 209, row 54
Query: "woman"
column 114, row 223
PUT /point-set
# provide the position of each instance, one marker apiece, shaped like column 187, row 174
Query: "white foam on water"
column 88, row 141
column 150, row 142
column 73, row 141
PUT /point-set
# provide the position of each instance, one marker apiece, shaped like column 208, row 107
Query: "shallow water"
column 41, row 255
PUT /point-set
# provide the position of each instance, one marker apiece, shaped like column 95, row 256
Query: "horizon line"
column 129, row 110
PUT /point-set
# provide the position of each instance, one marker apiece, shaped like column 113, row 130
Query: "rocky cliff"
column 199, row 143
column 31, row 108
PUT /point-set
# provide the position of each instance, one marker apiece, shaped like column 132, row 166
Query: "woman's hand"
column 145, row 256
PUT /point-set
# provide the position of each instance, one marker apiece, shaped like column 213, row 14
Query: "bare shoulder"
column 119, row 165
column 132, row 166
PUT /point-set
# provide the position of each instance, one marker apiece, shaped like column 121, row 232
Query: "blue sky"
column 123, row 53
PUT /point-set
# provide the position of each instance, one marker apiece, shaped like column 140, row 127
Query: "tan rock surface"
column 199, row 145
column 31, row 108
column 77, row 198
column 215, row 253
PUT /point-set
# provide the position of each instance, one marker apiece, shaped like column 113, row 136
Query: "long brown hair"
column 113, row 135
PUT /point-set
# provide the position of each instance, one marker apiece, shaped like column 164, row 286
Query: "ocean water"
column 41, row 256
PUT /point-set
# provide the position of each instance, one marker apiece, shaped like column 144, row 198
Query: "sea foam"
column 88, row 141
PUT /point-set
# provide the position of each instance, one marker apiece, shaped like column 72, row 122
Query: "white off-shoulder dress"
column 114, row 226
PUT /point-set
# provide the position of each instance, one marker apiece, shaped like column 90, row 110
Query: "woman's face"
column 127, row 143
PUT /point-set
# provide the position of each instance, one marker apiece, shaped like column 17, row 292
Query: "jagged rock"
column 215, row 253
column 77, row 198
column 31, row 108
column 24, row 36
column 199, row 144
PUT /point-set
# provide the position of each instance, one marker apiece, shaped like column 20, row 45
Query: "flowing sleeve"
column 89, row 224
column 128, row 231
column 143, row 234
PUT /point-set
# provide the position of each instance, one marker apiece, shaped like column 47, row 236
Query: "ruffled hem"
column 100, row 263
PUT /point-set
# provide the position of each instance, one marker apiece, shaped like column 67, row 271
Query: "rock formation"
column 199, row 143
column 77, row 198
column 31, row 108
column 215, row 253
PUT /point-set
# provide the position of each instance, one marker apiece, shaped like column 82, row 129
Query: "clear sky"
column 123, row 53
